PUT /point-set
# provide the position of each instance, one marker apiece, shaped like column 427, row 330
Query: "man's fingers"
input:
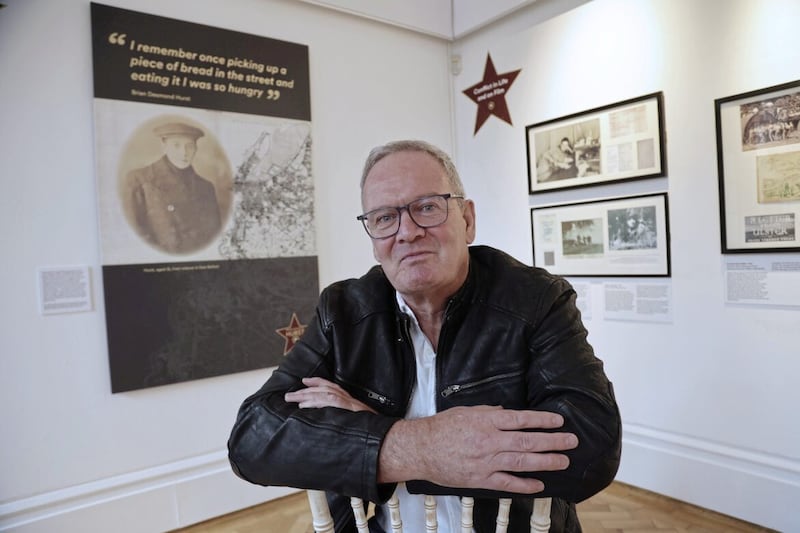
column 316, row 388
column 505, row 482
column 314, row 397
column 543, row 442
column 320, row 392
column 509, row 420
column 529, row 462
column 319, row 382
column 314, row 402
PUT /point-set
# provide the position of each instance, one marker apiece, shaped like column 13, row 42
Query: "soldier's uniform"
column 174, row 209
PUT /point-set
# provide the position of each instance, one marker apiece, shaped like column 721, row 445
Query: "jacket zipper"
column 452, row 389
column 372, row 395
column 379, row 397
column 441, row 350
column 404, row 340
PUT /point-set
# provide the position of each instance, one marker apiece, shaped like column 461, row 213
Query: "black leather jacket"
column 511, row 336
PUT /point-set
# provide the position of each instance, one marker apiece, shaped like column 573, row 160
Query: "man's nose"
column 408, row 230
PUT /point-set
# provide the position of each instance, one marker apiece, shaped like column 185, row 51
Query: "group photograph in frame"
column 758, row 162
column 617, row 142
column 614, row 237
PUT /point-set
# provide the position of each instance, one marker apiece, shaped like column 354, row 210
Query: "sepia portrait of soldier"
column 169, row 204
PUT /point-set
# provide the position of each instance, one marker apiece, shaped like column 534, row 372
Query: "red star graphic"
column 291, row 333
column 490, row 94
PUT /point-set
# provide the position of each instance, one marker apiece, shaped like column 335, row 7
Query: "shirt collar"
column 405, row 308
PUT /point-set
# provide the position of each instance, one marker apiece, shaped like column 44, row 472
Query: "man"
column 448, row 369
column 172, row 207
column 558, row 163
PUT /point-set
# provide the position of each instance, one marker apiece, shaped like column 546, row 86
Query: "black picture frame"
column 758, row 168
column 614, row 237
column 617, row 142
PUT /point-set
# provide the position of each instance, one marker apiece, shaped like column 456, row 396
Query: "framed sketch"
column 616, row 237
column 758, row 161
column 617, row 142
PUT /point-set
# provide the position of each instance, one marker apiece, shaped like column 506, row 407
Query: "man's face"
column 180, row 150
column 420, row 261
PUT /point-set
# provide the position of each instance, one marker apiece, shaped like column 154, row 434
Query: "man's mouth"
column 414, row 255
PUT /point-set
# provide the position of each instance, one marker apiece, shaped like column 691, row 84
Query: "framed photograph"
column 758, row 161
column 617, row 237
column 617, row 142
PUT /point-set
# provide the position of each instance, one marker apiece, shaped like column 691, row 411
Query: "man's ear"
column 469, row 219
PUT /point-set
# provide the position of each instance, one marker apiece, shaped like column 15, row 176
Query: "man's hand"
column 320, row 392
column 476, row 447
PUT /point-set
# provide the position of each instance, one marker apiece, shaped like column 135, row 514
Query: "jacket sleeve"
column 565, row 377
column 276, row 443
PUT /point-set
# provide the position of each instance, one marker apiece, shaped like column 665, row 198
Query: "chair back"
column 323, row 522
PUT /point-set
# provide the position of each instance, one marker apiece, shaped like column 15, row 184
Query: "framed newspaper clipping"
column 758, row 161
column 617, row 142
column 616, row 237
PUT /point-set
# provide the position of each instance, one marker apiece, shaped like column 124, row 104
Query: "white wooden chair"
column 323, row 522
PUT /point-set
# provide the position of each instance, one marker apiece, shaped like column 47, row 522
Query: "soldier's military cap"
column 178, row 128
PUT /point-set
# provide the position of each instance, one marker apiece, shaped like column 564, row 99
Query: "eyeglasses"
column 426, row 212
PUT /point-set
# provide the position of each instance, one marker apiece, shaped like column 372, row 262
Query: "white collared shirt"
column 423, row 403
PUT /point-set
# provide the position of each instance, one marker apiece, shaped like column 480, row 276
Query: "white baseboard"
column 752, row 486
column 153, row 500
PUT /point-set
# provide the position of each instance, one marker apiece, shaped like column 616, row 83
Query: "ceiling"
column 446, row 19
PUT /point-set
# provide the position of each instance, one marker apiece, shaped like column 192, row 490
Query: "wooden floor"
column 620, row 509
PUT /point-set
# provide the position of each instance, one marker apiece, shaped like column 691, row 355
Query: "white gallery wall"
column 74, row 457
column 707, row 400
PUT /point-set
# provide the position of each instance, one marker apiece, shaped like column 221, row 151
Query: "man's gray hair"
column 379, row 152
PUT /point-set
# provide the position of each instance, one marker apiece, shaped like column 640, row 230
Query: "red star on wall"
column 490, row 94
column 292, row 333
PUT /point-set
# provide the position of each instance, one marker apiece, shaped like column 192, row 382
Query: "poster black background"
column 111, row 62
column 171, row 326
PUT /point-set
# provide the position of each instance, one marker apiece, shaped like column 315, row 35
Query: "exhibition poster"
column 205, row 197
